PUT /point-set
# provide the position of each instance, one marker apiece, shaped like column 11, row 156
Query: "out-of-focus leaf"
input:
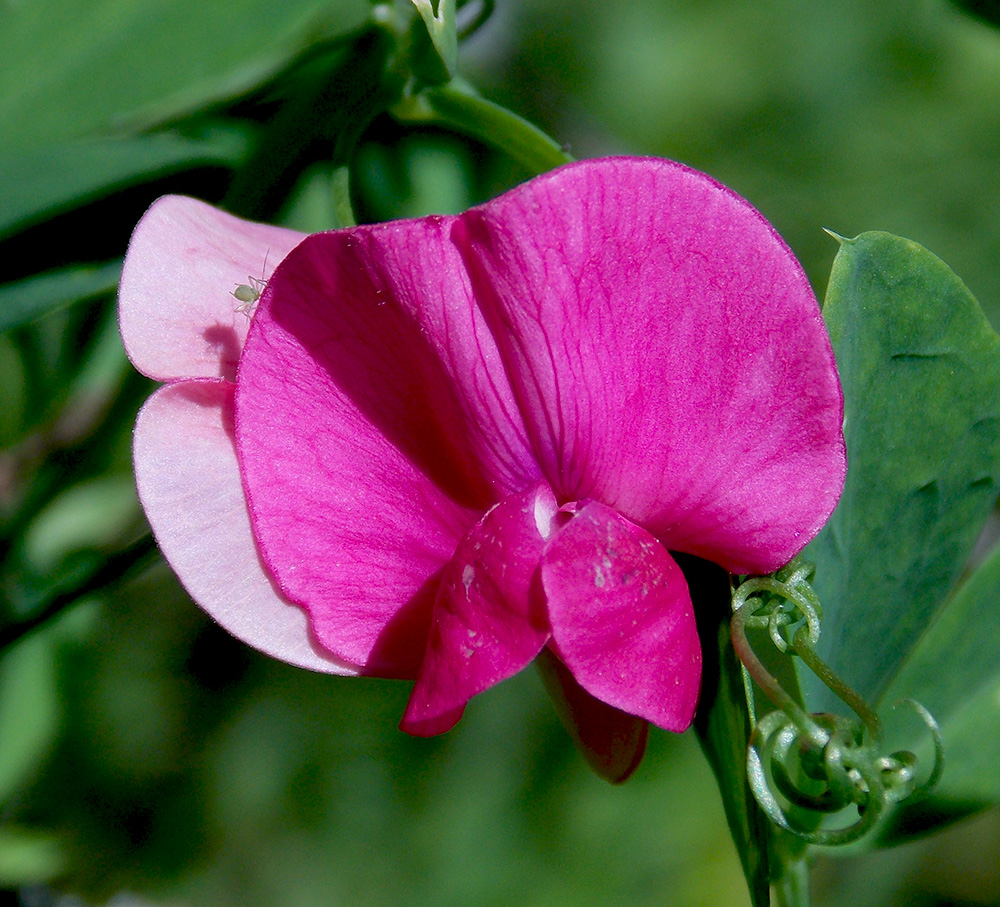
column 723, row 724
column 417, row 176
column 985, row 10
column 29, row 857
column 91, row 514
column 920, row 367
column 329, row 100
column 25, row 300
column 82, row 68
column 39, row 184
column 29, row 709
column 12, row 392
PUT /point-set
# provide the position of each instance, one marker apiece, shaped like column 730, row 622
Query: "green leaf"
column 920, row 367
column 33, row 297
column 28, row 857
column 13, row 392
column 40, row 184
column 82, row 68
column 91, row 514
column 954, row 671
column 985, row 10
column 327, row 103
column 723, row 723
column 29, row 711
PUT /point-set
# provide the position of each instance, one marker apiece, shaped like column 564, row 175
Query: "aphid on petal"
column 249, row 293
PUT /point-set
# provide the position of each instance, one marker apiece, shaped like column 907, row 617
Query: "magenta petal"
column 189, row 485
column 434, row 724
column 176, row 310
column 612, row 741
column 374, row 427
column 667, row 353
column 489, row 617
column 621, row 617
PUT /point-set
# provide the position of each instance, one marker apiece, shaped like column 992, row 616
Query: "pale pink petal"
column 667, row 353
column 176, row 310
column 374, row 428
column 621, row 617
column 189, row 485
column 489, row 618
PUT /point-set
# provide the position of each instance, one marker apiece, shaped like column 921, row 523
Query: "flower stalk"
column 458, row 107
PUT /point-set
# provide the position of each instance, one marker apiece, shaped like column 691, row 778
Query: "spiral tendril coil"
column 801, row 766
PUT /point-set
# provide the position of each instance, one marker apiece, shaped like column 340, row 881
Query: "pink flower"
column 456, row 442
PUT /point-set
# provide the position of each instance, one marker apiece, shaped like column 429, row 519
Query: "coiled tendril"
column 801, row 766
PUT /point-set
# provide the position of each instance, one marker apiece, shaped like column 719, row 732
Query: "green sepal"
column 437, row 63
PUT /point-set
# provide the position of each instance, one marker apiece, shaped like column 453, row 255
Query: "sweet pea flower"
column 446, row 446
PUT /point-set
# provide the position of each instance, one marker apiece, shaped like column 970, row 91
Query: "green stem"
column 792, row 888
column 460, row 109
column 340, row 189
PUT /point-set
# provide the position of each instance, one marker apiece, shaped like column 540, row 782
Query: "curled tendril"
column 803, row 767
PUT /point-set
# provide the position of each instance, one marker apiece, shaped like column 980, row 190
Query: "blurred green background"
column 144, row 751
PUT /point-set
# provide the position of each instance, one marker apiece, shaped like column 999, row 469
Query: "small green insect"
column 247, row 294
